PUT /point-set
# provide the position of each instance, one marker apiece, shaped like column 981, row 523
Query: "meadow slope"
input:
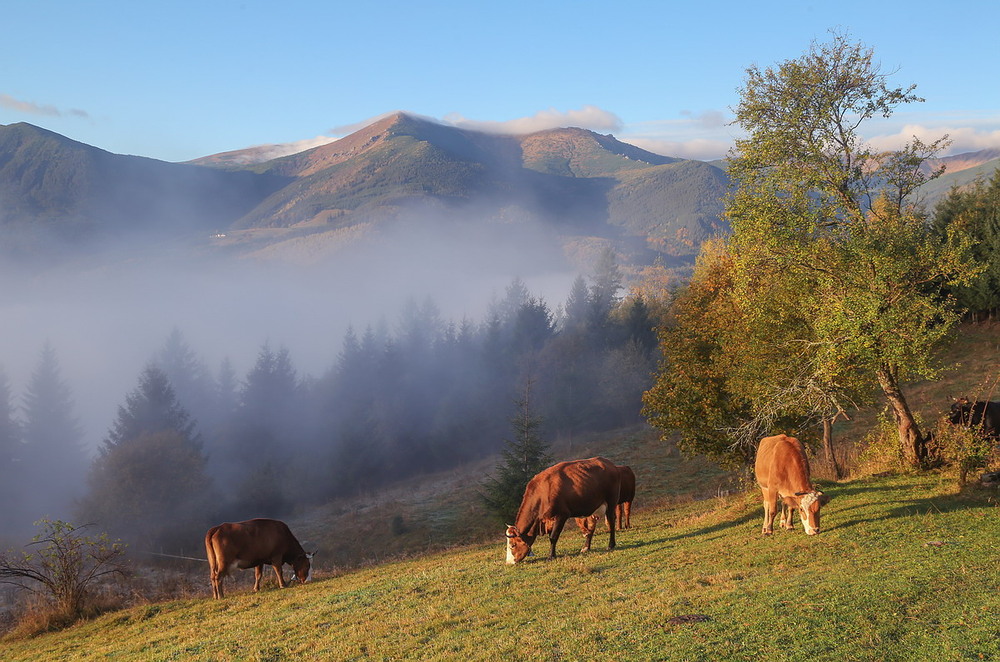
column 905, row 569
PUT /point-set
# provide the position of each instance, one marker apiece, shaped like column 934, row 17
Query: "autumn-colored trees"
column 832, row 281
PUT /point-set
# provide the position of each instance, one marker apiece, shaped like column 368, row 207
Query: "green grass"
column 906, row 569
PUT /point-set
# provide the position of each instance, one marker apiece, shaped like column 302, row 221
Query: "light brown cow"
column 782, row 470
column 254, row 544
column 568, row 489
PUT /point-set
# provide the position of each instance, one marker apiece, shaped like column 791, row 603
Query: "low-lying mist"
column 106, row 320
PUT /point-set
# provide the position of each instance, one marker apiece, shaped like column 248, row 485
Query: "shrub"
column 63, row 572
column 963, row 449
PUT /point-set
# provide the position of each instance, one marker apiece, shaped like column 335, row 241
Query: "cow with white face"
column 782, row 470
column 577, row 488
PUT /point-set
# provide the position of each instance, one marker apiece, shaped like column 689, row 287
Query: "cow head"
column 809, row 505
column 960, row 410
column 517, row 547
column 302, row 568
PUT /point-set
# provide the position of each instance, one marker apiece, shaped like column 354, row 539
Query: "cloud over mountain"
column 588, row 117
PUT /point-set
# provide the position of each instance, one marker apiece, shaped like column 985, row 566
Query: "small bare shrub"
column 64, row 572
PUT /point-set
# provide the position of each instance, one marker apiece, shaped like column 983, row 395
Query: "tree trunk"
column 828, row 447
column 911, row 441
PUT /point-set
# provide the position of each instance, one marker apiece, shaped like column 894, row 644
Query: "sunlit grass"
column 905, row 569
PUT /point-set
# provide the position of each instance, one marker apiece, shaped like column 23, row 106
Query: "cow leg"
column 770, row 510
column 612, row 506
column 277, row 571
column 554, row 530
column 587, row 527
column 627, row 514
column 786, row 516
column 216, row 584
column 258, row 572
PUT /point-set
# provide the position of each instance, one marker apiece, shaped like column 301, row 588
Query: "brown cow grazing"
column 783, row 473
column 577, row 488
column 623, row 511
column 254, row 544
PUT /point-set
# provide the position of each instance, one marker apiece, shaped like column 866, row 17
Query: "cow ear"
column 311, row 554
column 824, row 499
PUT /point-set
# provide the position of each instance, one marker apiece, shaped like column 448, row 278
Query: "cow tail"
column 213, row 562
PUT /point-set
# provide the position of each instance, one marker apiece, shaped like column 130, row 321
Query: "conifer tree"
column 524, row 456
column 151, row 407
column 149, row 481
column 53, row 451
column 11, row 460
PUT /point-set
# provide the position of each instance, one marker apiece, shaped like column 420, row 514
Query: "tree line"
column 190, row 447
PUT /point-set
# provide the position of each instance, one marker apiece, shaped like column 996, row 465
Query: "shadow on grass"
column 903, row 507
column 704, row 531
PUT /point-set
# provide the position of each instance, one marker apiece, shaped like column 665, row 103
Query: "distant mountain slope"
column 933, row 191
column 572, row 181
column 55, row 191
column 959, row 162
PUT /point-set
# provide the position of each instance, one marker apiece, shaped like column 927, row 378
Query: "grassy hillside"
column 905, row 569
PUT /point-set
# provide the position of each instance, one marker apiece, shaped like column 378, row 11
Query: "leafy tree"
column 64, row 566
column 821, row 216
column 152, row 490
column 53, row 453
column 692, row 392
column 523, row 457
column 975, row 212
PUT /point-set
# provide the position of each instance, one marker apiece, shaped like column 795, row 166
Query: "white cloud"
column 32, row 108
column 701, row 149
column 963, row 139
column 588, row 117
column 705, row 135
column 268, row 152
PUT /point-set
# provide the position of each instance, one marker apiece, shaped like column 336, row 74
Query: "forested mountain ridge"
column 581, row 188
column 576, row 185
column 56, row 192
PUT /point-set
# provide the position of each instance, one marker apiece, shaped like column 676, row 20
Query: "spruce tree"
column 11, row 460
column 55, row 460
column 524, row 456
column 151, row 407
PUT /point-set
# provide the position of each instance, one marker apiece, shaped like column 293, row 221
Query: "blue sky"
column 177, row 80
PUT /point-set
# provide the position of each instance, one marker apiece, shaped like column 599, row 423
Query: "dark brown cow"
column 623, row 511
column 783, row 473
column 577, row 488
column 254, row 544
